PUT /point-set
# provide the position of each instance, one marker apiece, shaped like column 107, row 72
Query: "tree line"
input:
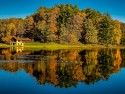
column 65, row 23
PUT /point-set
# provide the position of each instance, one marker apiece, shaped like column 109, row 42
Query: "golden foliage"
column 117, row 32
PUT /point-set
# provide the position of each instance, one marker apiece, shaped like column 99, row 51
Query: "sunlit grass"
column 3, row 45
column 37, row 45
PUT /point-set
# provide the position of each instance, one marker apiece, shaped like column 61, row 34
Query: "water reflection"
column 64, row 68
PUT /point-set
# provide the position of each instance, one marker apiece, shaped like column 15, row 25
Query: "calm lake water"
column 75, row 71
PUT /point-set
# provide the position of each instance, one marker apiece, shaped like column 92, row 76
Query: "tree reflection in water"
column 65, row 68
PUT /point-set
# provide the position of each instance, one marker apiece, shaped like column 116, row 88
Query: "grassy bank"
column 36, row 45
column 61, row 46
column 3, row 45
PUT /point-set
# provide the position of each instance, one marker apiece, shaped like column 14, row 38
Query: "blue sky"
column 23, row 8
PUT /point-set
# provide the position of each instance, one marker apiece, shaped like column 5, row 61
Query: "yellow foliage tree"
column 11, row 29
column 117, row 32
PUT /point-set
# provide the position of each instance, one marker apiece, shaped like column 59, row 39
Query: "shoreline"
column 62, row 46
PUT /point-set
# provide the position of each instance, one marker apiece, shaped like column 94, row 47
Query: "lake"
column 67, row 71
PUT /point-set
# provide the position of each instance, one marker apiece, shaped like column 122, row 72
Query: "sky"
column 23, row 8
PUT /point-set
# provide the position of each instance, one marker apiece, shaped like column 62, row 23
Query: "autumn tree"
column 91, row 36
column 117, row 33
column 66, row 13
column 105, row 31
column 122, row 27
column 29, row 27
column 10, row 31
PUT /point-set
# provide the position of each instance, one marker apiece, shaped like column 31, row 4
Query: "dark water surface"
column 96, row 71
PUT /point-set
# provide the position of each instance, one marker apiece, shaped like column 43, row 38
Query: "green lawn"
column 3, row 45
column 37, row 45
column 55, row 45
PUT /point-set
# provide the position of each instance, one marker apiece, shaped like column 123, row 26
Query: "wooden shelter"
column 19, row 41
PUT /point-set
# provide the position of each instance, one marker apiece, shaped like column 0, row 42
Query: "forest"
column 64, row 24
